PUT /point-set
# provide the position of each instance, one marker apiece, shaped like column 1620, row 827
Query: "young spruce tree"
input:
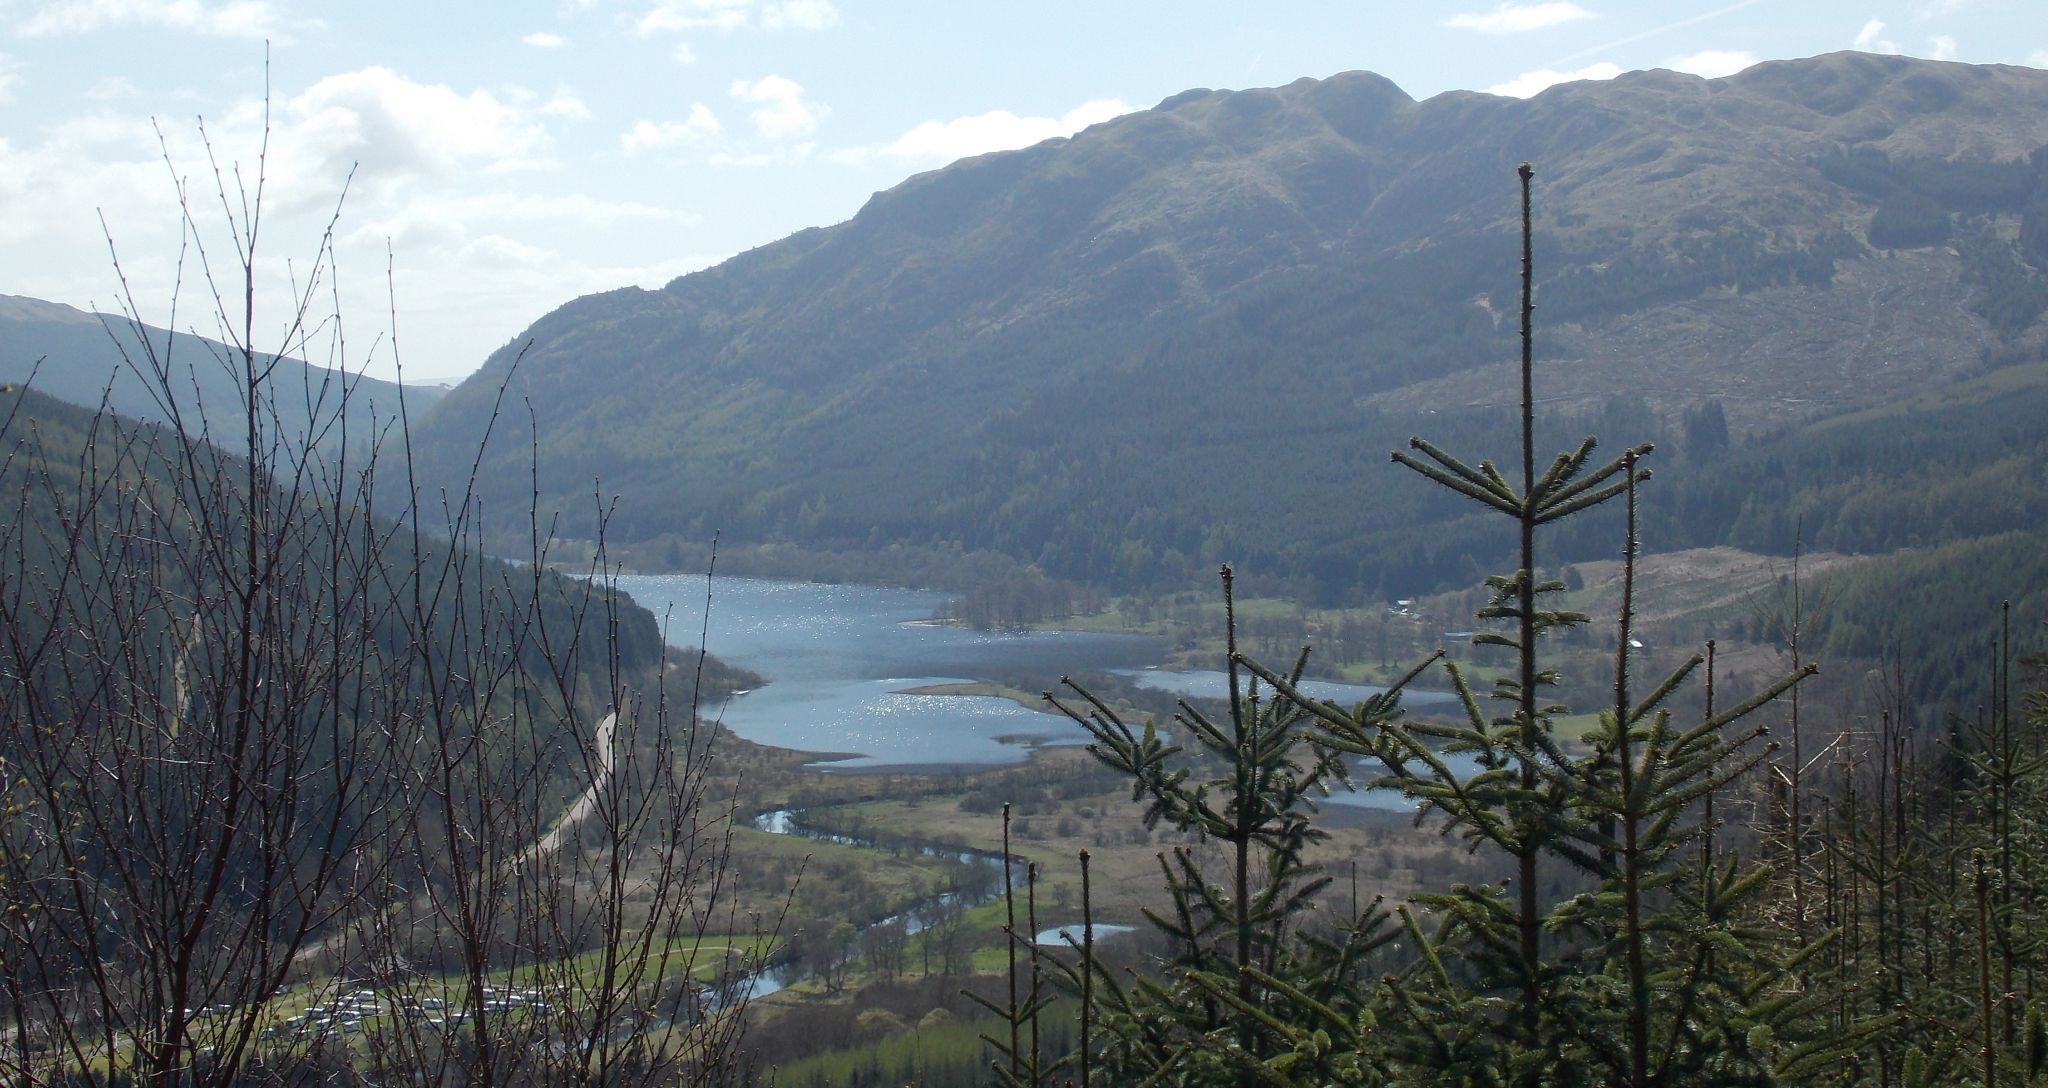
column 1246, row 960
column 1649, row 967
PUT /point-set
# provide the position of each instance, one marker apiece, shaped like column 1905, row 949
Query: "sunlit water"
column 840, row 661
column 1070, row 936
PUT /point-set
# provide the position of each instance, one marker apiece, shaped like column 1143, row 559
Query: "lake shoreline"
column 849, row 663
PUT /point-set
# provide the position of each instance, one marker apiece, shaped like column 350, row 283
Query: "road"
column 548, row 844
column 586, row 803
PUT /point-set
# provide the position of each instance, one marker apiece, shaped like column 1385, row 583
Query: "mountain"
column 83, row 357
column 1191, row 334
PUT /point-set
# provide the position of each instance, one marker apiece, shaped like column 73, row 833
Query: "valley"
column 1410, row 663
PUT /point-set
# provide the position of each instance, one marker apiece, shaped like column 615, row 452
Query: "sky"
column 477, row 165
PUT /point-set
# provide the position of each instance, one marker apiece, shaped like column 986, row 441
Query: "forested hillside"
column 259, row 735
column 1685, row 882
column 67, row 471
column 1176, row 338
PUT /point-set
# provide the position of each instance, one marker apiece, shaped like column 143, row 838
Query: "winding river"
column 845, row 667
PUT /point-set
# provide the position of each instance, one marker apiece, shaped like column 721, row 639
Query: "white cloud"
column 683, row 15
column 501, row 252
column 671, row 15
column 2038, row 58
column 233, row 19
column 799, row 15
column 475, row 259
column 780, row 111
column 8, row 78
column 1868, row 39
column 1942, row 47
column 998, row 130
column 542, row 39
column 451, row 222
column 1513, row 18
column 112, row 88
column 567, row 105
column 1714, row 63
column 392, row 125
column 1530, row 83
column 780, row 155
column 50, row 187
column 699, row 127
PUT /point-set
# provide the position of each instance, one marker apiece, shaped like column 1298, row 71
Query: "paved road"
column 548, row 844
column 607, row 761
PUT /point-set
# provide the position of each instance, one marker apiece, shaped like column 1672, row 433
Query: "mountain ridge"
column 997, row 354
column 82, row 357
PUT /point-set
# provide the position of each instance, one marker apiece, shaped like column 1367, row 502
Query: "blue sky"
column 508, row 157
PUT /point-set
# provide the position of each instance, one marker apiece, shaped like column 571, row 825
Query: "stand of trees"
column 1875, row 923
column 271, row 741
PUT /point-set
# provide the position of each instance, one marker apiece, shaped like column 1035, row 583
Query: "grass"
column 1056, row 815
